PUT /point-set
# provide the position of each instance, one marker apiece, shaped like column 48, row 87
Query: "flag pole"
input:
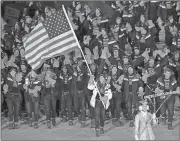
column 81, row 50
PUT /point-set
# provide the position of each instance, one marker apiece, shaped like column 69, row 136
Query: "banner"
column 11, row 14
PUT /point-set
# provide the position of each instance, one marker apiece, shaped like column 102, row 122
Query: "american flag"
column 49, row 39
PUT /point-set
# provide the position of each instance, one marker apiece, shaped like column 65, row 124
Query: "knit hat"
column 168, row 4
column 170, row 17
column 28, row 19
column 77, row 3
column 19, row 45
column 23, row 62
column 125, row 56
column 79, row 59
column 151, row 58
column 47, row 64
column 167, row 69
column 14, row 49
column 77, row 12
column 115, row 47
column 93, row 64
column 129, row 66
column 136, row 48
column 118, row 18
column 114, row 66
column 49, row 69
column 111, row 42
column 143, row 102
column 104, row 20
column 102, row 74
column 93, row 19
column 63, row 66
column 98, row 9
column 13, row 69
column 104, row 23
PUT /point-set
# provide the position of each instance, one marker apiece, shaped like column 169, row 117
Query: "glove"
column 146, row 54
column 116, row 29
column 2, row 65
column 91, row 77
column 112, row 5
column 31, row 3
column 103, row 55
column 19, row 77
column 161, row 53
column 143, row 31
column 78, row 68
column 118, row 88
column 137, row 28
column 25, row 86
column 155, row 53
column 142, row 3
column 140, row 89
column 114, row 84
column 144, row 78
column 53, row 83
column 120, row 79
column 162, row 97
column 157, row 90
column 73, row 3
column 178, row 89
column 5, row 88
column 104, row 99
column 75, row 73
column 153, row 116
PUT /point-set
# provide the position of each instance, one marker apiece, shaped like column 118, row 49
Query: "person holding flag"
column 100, row 101
column 94, row 69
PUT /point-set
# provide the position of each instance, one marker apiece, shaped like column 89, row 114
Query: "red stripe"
column 35, row 46
column 33, row 32
column 35, row 39
column 43, row 60
column 53, row 50
column 47, row 46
